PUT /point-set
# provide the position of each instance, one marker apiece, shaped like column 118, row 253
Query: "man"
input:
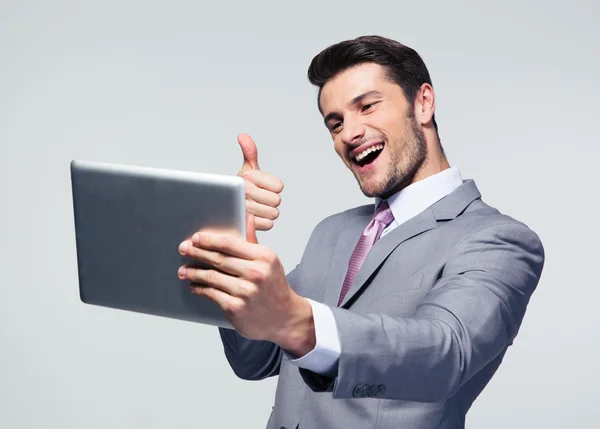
column 398, row 313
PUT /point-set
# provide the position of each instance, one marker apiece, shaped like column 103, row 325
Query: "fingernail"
column 182, row 271
column 183, row 247
column 195, row 238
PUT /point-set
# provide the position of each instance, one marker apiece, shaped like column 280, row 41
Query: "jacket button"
column 380, row 389
column 357, row 392
column 373, row 390
column 365, row 391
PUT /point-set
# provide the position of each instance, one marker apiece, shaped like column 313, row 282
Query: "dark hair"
column 404, row 66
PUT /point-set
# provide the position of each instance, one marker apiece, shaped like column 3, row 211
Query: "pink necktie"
column 383, row 217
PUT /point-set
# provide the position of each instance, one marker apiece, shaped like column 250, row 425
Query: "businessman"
column 399, row 312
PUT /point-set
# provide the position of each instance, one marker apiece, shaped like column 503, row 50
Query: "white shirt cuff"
column 324, row 358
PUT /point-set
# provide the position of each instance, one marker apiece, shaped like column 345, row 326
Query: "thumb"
column 250, row 229
column 249, row 151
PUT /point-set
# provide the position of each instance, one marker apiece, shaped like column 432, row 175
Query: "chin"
column 372, row 190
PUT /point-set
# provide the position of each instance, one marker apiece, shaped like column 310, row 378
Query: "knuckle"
column 242, row 294
column 202, row 291
column 247, row 292
column 252, row 290
column 237, row 306
column 256, row 273
column 210, row 277
column 226, row 307
column 219, row 260
column 233, row 307
column 250, row 187
column 270, row 257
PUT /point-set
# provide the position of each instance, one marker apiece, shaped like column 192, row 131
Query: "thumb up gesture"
column 262, row 189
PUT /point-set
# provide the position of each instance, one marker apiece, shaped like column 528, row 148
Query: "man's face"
column 373, row 129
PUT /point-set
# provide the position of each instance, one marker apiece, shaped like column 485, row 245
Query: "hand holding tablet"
column 247, row 281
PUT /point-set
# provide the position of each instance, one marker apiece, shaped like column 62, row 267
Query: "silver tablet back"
column 129, row 222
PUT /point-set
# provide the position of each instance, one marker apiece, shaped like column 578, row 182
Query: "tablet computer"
column 129, row 222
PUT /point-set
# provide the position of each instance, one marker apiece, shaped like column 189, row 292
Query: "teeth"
column 368, row 151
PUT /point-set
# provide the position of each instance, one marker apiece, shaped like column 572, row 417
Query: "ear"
column 424, row 104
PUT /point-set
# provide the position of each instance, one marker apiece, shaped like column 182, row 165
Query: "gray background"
column 171, row 85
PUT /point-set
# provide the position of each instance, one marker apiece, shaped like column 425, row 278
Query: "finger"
column 260, row 210
column 226, row 263
column 262, row 224
column 225, row 301
column 249, row 151
column 250, row 229
column 228, row 244
column 262, row 196
column 231, row 285
column 264, row 180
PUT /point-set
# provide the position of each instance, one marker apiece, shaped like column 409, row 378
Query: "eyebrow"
column 356, row 100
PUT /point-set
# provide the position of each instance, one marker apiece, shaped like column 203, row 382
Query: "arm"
column 250, row 359
column 469, row 318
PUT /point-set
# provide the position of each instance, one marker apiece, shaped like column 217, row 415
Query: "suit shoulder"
column 480, row 218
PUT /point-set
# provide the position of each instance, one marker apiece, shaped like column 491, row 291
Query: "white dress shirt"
column 405, row 204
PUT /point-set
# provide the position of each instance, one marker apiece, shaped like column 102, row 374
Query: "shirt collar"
column 418, row 196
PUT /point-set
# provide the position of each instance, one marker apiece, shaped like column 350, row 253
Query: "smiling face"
column 374, row 129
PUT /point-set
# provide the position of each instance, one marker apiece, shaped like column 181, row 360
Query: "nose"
column 353, row 132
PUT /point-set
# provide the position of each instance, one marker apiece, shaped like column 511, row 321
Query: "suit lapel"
column 445, row 209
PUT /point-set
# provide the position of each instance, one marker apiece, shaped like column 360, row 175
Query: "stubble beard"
column 403, row 165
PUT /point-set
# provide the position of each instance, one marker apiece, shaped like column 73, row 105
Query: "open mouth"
column 369, row 155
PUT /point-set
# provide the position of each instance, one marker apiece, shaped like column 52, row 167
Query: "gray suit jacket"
column 423, row 328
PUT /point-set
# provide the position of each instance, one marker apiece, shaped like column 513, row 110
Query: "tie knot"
column 383, row 213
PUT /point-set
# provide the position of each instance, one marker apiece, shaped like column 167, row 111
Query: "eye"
column 366, row 107
column 336, row 126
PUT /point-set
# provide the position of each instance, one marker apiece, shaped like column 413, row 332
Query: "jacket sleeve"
column 253, row 359
column 471, row 315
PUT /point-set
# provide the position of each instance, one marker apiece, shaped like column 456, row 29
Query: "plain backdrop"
column 171, row 84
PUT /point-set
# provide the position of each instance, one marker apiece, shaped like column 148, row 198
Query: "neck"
column 434, row 163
